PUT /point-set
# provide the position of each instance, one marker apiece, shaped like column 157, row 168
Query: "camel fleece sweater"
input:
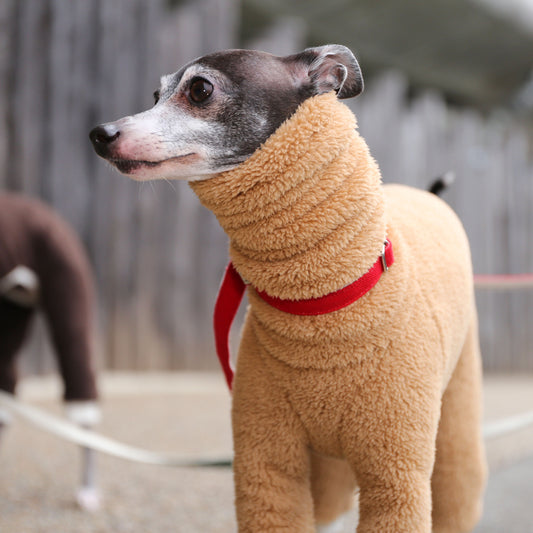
column 306, row 215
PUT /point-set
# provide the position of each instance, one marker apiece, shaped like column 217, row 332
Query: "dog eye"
column 200, row 90
column 157, row 94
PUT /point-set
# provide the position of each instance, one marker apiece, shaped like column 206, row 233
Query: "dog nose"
column 103, row 136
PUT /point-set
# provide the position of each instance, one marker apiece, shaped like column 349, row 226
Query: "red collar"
column 232, row 290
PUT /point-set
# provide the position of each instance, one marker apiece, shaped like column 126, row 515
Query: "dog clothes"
column 35, row 240
column 386, row 390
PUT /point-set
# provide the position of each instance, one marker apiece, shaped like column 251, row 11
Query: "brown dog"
column 383, row 393
column 43, row 266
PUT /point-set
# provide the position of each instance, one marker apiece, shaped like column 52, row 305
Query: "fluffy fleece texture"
column 323, row 403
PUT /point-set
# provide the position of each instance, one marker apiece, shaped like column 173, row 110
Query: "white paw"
column 5, row 417
column 88, row 498
column 84, row 413
column 337, row 526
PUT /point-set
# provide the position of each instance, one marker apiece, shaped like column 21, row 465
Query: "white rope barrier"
column 90, row 439
column 511, row 424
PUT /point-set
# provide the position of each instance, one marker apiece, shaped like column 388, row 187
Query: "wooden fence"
column 157, row 254
column 492, row 158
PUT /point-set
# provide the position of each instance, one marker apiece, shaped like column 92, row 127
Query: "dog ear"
column 332, row 67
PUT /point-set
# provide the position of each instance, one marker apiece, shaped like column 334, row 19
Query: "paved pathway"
column 509, row 500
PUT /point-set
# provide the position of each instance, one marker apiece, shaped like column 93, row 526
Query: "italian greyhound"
column 215, row 112
column 322, row 382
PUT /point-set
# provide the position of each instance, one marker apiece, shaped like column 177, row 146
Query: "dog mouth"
column 127, row 166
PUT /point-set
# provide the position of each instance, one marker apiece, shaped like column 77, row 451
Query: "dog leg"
column 88, row 495
column 460, row 471
column 333, row 489
column 87, row 415
column 14, row 323
column 5, row 420
column 400, row 503
column 272, row 459
column 394, row 456
column 271, row 471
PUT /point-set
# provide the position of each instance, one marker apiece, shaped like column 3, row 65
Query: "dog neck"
column 305, row 213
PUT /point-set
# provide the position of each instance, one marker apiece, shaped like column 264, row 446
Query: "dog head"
column 216, row 111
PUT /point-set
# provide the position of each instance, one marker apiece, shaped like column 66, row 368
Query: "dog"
column 381, row 392
column 43, row 266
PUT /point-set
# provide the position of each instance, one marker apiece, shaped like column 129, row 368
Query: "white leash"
column 70, row 432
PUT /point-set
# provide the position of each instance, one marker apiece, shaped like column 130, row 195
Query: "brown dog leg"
column 14, row 324
column 460, row 469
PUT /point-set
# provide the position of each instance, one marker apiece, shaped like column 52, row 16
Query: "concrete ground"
column 189, row 414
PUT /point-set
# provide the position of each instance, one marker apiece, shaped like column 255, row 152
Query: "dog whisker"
column 172, row 186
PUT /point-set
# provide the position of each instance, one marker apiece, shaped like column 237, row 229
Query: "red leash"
column 228, row 301
column 232, row 290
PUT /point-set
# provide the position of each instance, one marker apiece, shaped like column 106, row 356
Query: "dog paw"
column 337, row 526
column 84, row 413
column 88, row 499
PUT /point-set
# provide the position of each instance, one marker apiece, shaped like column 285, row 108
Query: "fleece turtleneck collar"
column 305, row 213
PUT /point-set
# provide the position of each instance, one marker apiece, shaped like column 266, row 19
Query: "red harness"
column 232, row 290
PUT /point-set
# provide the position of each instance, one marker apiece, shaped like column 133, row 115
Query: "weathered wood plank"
column 157, row 254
